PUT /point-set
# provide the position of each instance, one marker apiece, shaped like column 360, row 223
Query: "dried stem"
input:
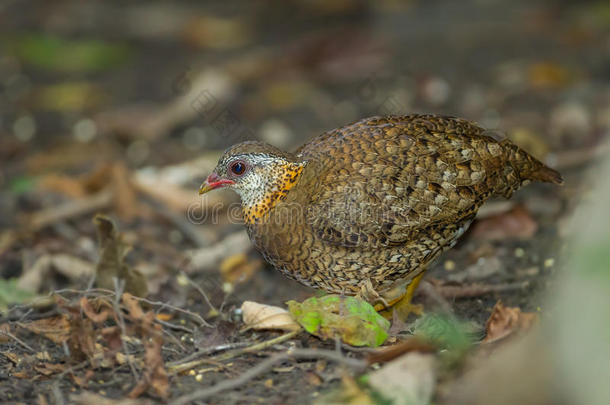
column 266, row 365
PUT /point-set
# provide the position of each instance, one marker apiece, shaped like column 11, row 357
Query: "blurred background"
column 124, row 108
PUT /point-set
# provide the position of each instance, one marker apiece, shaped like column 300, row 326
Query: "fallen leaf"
column 4, row 329
column 86, row 398
column 352, row 320
column 506, row 321
column 48, row 369
column 12, row 293
column 238, row 268
column 516, row 223
column 69, row 97
column 56, row 328
column 68, row 55
column 258, row 316
column 125, row 201
column 74, row 268
column 445, row 332
column 408, row 380
column 155, row 375
column 95, row 316
column 112, row 260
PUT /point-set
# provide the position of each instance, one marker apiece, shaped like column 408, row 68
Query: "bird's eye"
column 238, row 168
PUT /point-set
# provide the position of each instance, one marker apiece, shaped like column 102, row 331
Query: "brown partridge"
column 363, row 209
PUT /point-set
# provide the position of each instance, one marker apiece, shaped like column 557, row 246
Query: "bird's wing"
column 381, row 182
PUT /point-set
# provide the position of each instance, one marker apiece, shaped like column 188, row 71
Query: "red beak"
column 214, row 181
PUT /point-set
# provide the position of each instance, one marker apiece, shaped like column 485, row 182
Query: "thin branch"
column 476, row 290
column 265, row 366
column 16, row 339
column 119, row 285
column 203, row 294
column 208, row 350
column 173, row 326
column 196, row 317
column 71, row 209
column 233, row 353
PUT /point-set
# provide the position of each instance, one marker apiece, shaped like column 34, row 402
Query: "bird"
column 364, row 209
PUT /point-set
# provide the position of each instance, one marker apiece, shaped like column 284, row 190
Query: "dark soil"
column 532, row 69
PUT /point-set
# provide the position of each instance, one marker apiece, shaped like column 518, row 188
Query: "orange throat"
column 283, row 179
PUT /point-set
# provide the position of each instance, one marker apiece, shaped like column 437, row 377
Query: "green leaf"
column 54, row 53
column 354, row 321
column 22, row 184
column 446, row 333
column 11, row 294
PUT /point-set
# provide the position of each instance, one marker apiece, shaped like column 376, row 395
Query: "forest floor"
column 128, row 115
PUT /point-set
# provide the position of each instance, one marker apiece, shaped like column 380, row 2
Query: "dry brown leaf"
column 69, row 186
column 95, row 316
column 34, row 276
column 505, row 321
column 49, row 368
column 86, row 398
column 57, row 328
column 12, row 357
column 516, row 223
column 112, row 264
column 125, row 201
column 4, row 329
column 260, row 316
column 154, row 376
column 238, row 268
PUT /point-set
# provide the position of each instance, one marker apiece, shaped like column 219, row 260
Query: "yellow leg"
column 403, row 304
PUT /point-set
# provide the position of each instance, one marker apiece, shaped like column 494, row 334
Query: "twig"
column 265, row 366
column 193, row 315
column 197, row 317
column 57, row 394
column 16, row 339
column 174, row 339
column 198, row 288
column 208, row 350
column 71, row 209
column 173, row 326
column 432, row 292
column 119, row 285
column 234, row 353
column 476, row 290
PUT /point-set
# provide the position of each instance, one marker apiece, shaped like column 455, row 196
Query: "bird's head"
column 260, row 173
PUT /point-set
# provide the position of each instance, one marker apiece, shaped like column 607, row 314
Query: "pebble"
column 449, row 265
column 182, row 280
column 570, row 119
column 24, row 128
column 138, row 151
column 84, row 130
column 519, row 252
column 529, row 271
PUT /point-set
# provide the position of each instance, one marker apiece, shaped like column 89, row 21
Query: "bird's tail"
column 530, row 168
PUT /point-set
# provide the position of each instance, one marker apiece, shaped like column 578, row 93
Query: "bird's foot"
column 403, row 309
column 401, row 304
column 369, row 294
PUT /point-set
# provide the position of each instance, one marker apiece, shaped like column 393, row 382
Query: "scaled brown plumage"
column 368, row 206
